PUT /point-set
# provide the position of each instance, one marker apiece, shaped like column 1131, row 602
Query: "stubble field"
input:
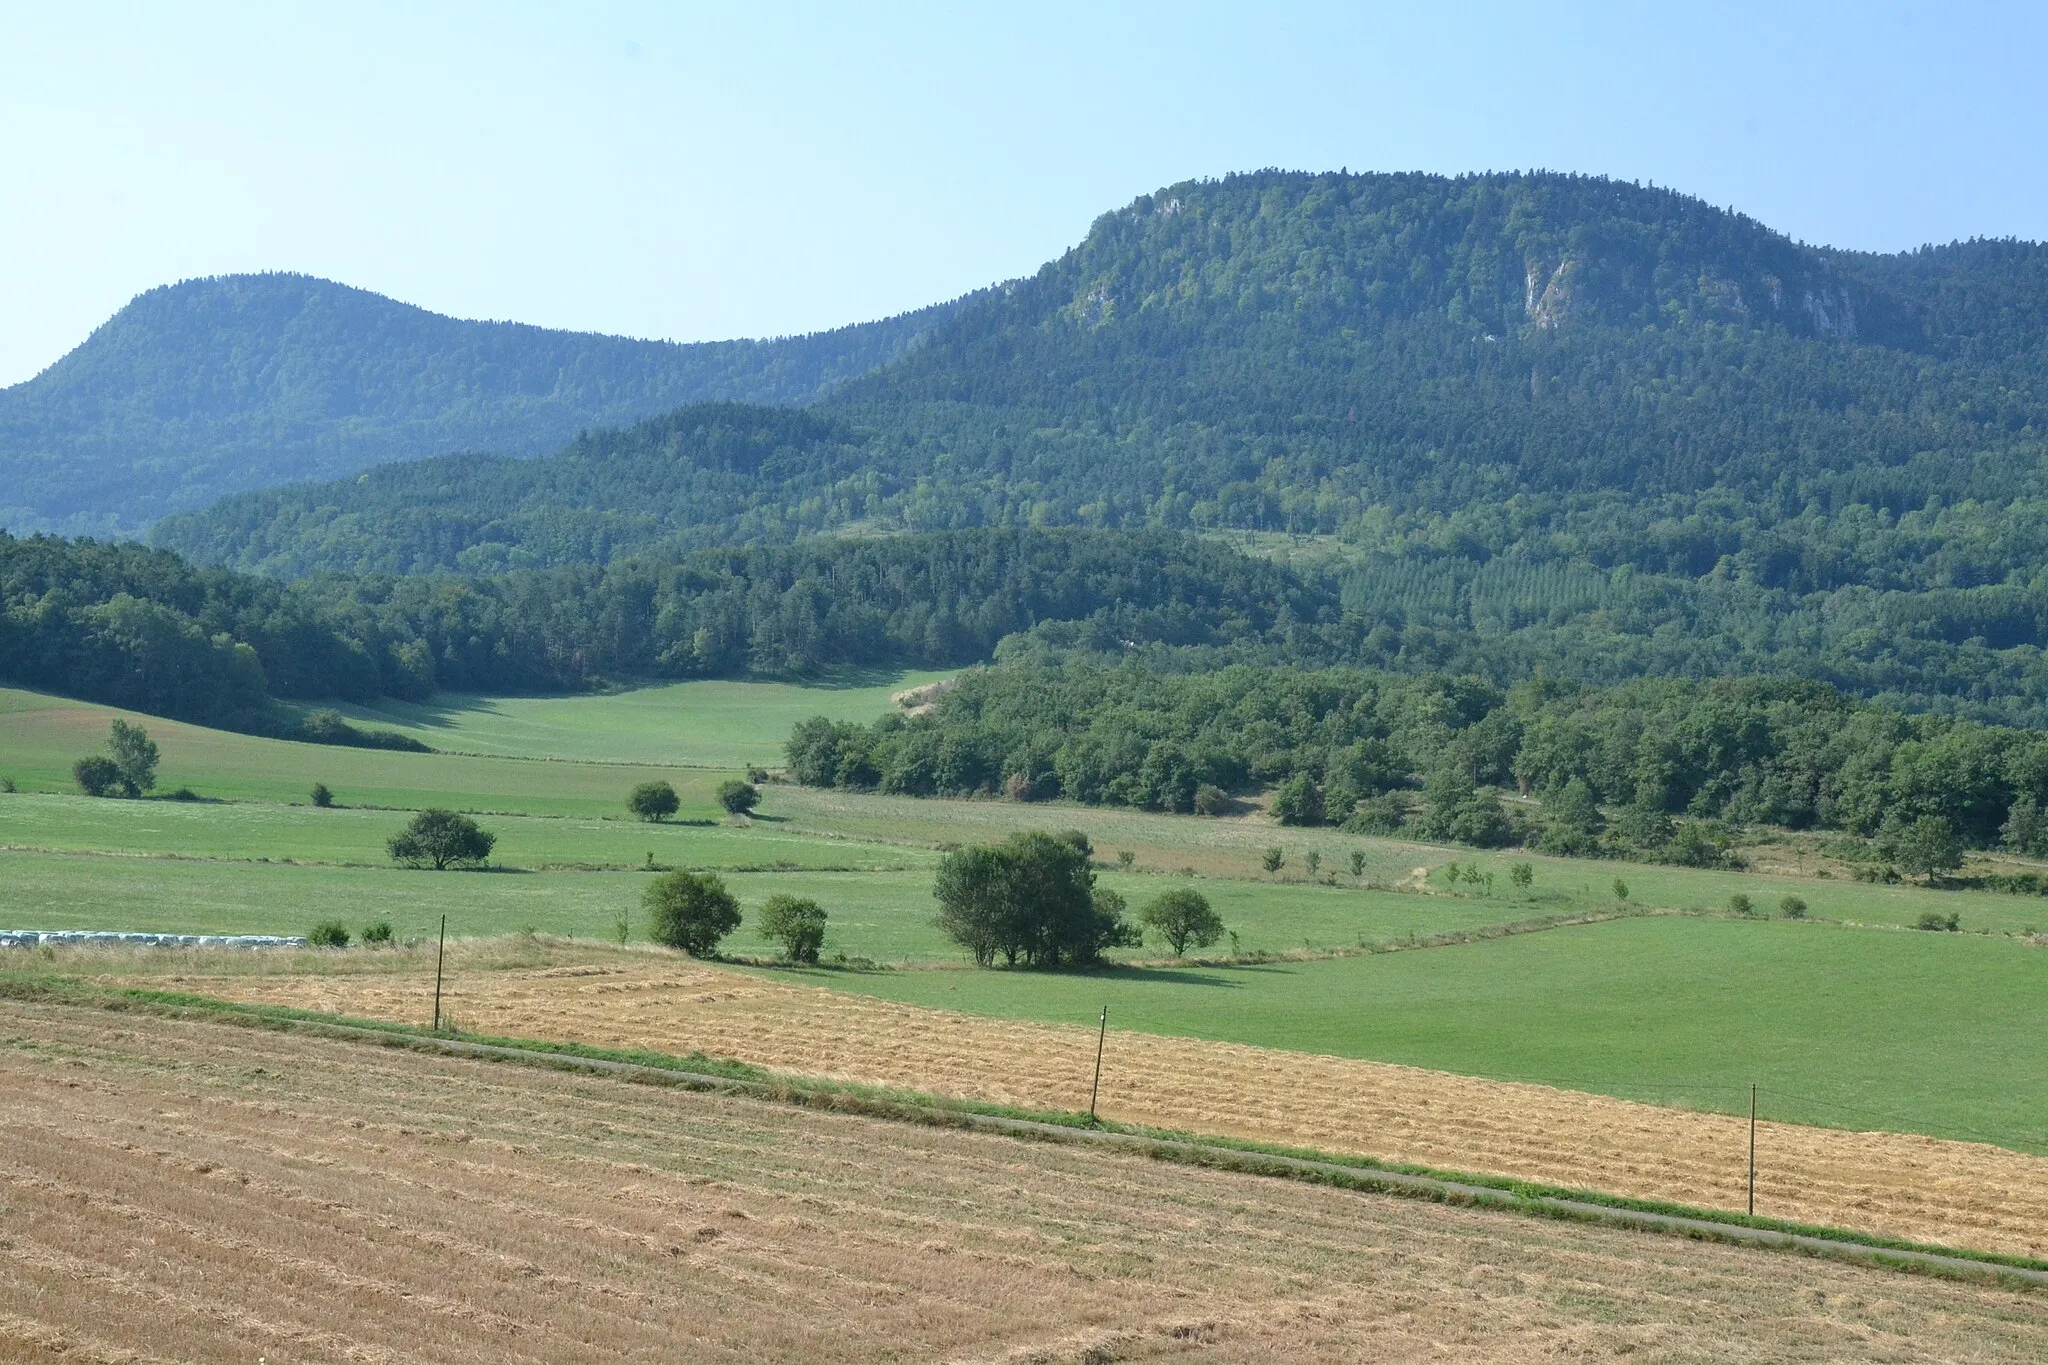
column 1904, row 1186
column 196, row 1192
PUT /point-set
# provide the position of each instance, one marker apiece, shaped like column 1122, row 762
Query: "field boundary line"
column 1838, row 1243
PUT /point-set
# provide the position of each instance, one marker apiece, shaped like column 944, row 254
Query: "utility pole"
column 439, row 953
column 1096, row 1088
column 1752, row 1149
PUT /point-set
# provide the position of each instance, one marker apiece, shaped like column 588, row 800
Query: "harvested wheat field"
column 1921, row 1188
column 195, row 1191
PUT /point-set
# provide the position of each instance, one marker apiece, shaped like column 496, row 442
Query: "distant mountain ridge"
column 199, row 390
column 1535, row 365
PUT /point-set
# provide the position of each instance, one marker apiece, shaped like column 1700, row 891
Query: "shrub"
column 1299, row 802
column 1792, row 908
column 1273, row 859
column 1380, row 814
column 1741, row 904
column 653, row 801
column 1620, row 889
column 328, row 933
column 691, row 911
column 757, row 775
column 96, row 776
column 1357, row 863
column 1935, row 920
column 380, row 932
column 1521, row 876
column 7, row 785
column 1182, row 917
column 442, row 838
column 1693, row 844
column 184, row 794
column 1126, row 859
column 1315, row 862
column 322, row 797
column 134, row 754
column 1211, row 799
column 797, row 924
column 738, row 797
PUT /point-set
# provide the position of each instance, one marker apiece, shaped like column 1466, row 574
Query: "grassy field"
column 1849, row 1027
column 249, row 831
column 885, row 916
column 709, row 724
column 1683, row 1010
column 240, row 1195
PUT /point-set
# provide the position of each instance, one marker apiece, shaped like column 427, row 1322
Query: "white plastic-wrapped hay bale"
column 100, row 938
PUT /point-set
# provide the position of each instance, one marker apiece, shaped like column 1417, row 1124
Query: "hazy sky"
column 749, row 169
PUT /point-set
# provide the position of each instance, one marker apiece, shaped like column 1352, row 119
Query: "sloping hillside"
column 211, row 387
column 1541, row 366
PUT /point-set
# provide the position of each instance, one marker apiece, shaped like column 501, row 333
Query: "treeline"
column 1667, row 762
column 140, row 628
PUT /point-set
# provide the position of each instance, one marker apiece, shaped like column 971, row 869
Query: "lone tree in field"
column 1031, row 899
column 1182, row 917
column 653, row 801
column 1929, row 846
column 444, row 839
column 691, row 911
column 1273, row 859
column 96, row 775
column 134, row 753
column 797, row 924
column 738, row 797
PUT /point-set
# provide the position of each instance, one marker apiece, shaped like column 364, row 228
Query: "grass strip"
column 696, row 1071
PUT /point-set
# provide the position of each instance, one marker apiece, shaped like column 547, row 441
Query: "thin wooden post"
column 1096, row 1088
column 439, row 953
column 1752, row 1150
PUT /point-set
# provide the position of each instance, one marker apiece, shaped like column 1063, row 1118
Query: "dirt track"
column 1928, row 1189
column 200, row 1192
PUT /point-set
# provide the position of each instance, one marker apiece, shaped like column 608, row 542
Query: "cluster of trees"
column 694, row 911
column 129, row 764
column 1656, row 766
column 1032, row 901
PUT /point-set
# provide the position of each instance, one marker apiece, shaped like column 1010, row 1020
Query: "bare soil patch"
column 175, row 1191
column 1921, row 1188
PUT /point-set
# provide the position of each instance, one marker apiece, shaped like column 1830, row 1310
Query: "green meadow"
column 1848, row 1018
column 705, row 724
column 1857, row 1028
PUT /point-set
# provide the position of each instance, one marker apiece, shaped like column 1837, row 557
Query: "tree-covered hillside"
column 1548, row 367
column 121, row 624
column 211, row 387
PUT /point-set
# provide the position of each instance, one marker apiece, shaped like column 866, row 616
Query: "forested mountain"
column 1537, row 366
column 211, row 387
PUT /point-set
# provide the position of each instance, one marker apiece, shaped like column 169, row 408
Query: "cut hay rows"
column 187, row 1191
column 1920, row 1188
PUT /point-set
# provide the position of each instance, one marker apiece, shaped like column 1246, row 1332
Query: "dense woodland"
column 211, row 387
column 1650, row 767
column 118, row 623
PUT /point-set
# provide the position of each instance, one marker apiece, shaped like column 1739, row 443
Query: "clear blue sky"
column 747, row 169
